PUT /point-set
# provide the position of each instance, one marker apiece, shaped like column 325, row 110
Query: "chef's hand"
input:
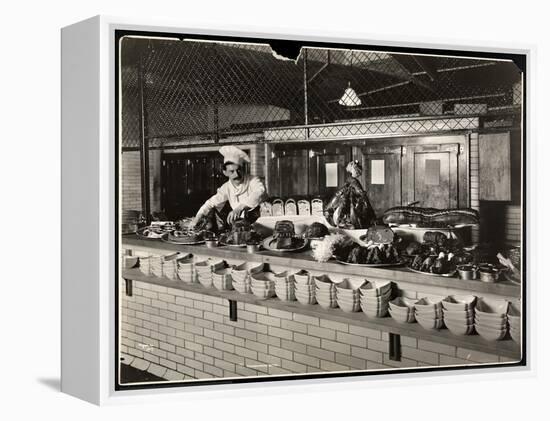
column 235, row 214
column 193, row 223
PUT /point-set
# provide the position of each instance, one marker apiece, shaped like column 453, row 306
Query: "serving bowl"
column 350, row 285
column 376, row 288
column 323, row 282
column 491, row 308
column 303, row 278
column 305, row 299
column 459, row 328
column 401, row 304
column 491, row 323
column 402, row 317
column 466, row 317
column 349, row 307
column 429, row 323
column 458, row 302
column 428, row 303
column 491, row 334
column 263, row 293
column 326, row 304
column 246, row 268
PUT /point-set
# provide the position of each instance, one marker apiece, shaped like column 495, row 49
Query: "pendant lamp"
column 350, row 98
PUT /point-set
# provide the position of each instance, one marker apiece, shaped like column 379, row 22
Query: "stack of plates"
column 204, row 271
column 458, row 313
column 262, row 284
column 185, row 270
column 514, row 320
column 375, row 296
column 402, row 310
column 491, row 319
column 241, row 275
column 284, row 287
column 428, row 313
column 304, row 287
column 348, row 296
column 221, row 278
column 325, row 291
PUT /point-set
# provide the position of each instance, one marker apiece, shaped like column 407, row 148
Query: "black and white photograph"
column 290, row 209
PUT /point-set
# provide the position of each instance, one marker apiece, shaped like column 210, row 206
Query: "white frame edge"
column 88, row 301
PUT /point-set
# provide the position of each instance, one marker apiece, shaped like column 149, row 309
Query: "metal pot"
column 489, row 273
column 211, row 243
column 468, row 272
column 252, row 248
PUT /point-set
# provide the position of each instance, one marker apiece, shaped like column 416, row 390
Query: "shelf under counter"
column 304, row 260
column 505, row 348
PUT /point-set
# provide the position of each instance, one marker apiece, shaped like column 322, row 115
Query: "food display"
column 349, row 252
column 379, row 234
column 240, row 234
column 186, row 236
column 284, row 235
column 350, row 208
column 430, row 217
column 441, row 264
column 156, row 230
column 316, row 230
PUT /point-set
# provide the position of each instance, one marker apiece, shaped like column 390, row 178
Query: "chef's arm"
column 257, row 195
column 215, row 201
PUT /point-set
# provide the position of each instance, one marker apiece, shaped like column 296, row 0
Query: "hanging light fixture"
column 350, row 98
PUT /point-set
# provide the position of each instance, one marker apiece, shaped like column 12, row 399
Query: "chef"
column 242, row 191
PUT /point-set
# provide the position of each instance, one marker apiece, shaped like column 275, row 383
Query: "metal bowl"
column 468, row 272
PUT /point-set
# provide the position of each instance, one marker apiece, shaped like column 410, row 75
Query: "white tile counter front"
column 183, row 331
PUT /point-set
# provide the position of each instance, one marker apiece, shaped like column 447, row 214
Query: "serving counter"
column 186, row 331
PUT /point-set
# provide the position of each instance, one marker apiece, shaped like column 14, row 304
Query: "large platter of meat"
column 430, row 217
column 382, row 255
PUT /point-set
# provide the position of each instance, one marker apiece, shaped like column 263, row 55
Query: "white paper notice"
column 331, row 170
column 377, row 175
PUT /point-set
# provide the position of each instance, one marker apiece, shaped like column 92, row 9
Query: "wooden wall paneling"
column 495, row 167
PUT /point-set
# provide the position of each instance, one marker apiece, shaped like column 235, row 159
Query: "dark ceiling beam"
column 405, row 64
column 430, row 70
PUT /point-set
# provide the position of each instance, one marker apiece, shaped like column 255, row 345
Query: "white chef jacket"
column 251, row 192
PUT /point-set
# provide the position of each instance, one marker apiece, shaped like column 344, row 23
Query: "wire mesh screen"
column 209, row 91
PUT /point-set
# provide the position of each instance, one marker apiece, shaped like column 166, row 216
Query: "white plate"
column 267, row 245
column 164, row 238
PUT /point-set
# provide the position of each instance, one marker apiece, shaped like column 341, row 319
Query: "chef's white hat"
column 234, row 155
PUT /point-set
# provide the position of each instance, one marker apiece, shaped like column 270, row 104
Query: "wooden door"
column 288, row 173
column 327, row 169
column 433, row 175
column 382, row 176
column 188, row 181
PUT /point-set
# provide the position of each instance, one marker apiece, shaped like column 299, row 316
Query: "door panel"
column 189, row 180
column 382, row 177
column 331, row 159
column 435, row 172
column 289, row 169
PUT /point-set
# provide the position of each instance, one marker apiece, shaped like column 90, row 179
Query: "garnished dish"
column 240, row 235
column 316, row 231
column 156, row 230
column 442, row 264
column 377, row 255
column 284, row 238
column 183, row 237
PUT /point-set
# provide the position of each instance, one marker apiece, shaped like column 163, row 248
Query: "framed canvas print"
column 242, row 208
